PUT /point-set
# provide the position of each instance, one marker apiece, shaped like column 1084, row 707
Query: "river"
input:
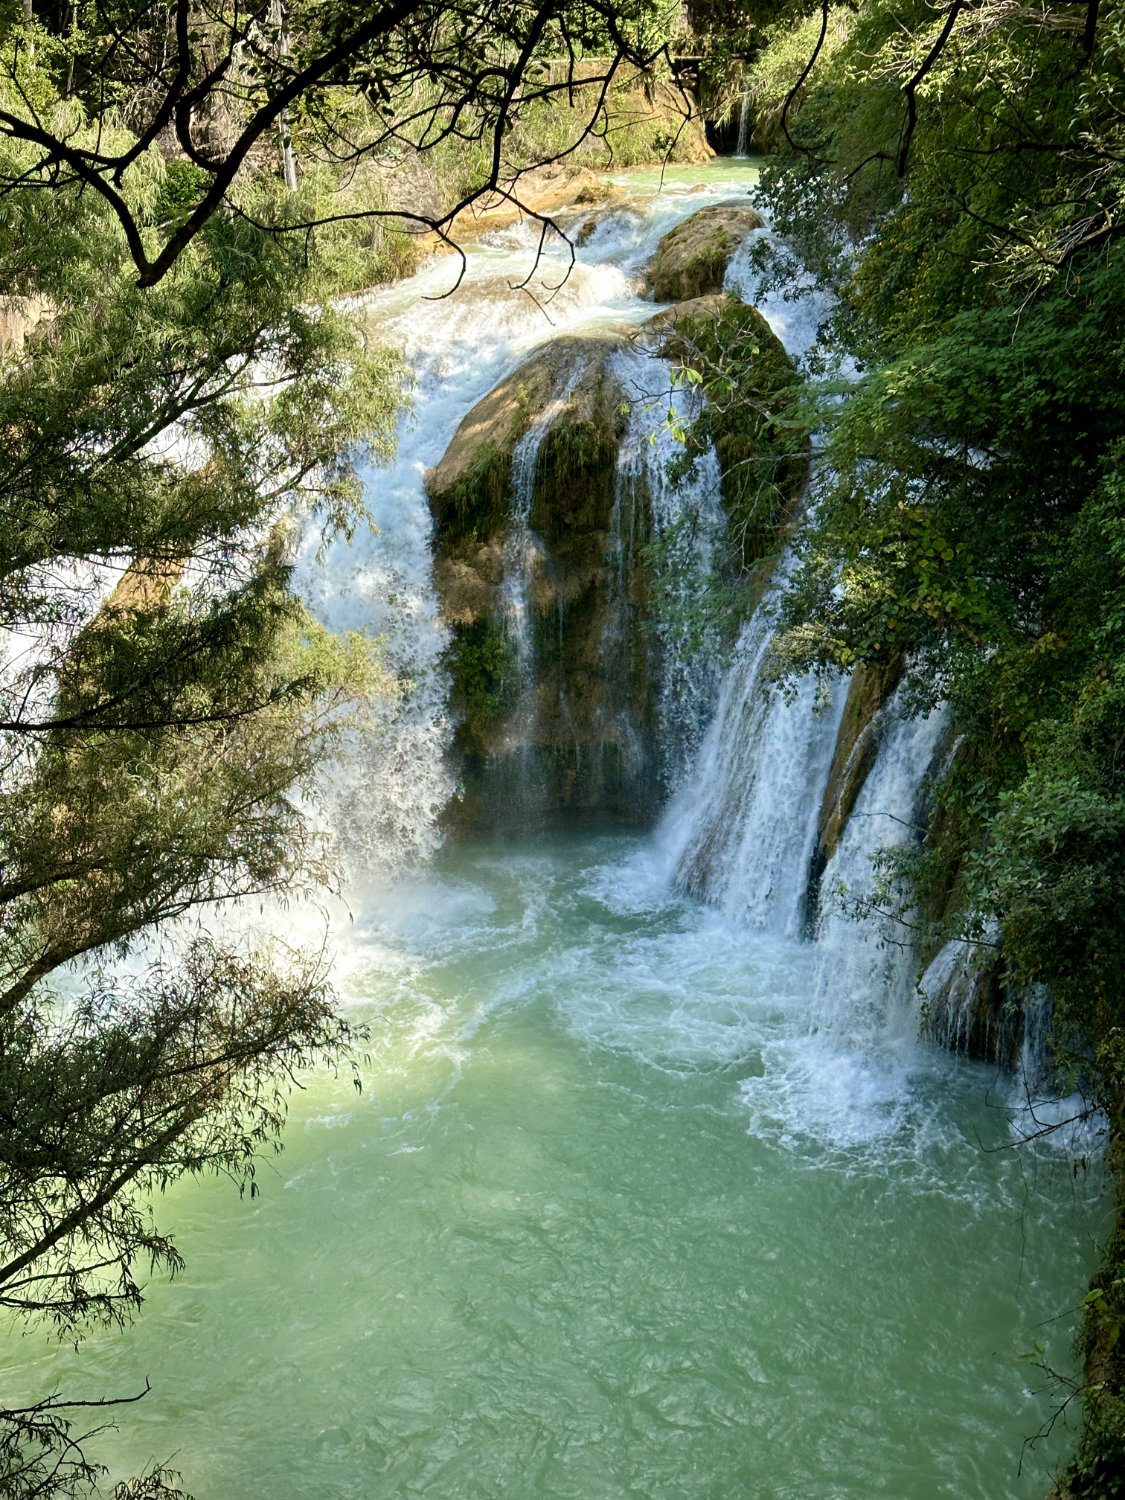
column 635, row 1200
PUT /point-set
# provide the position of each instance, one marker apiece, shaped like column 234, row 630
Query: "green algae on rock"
column 576, row 726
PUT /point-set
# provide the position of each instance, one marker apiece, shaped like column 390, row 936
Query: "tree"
column 190, row 387
column 214, row 86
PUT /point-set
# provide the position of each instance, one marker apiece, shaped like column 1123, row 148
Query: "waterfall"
column 949, row 990
column 743, row 125
column 522, row 553
column 954, row 989
column 689, row 529
column 741, row 832
column 865, row 970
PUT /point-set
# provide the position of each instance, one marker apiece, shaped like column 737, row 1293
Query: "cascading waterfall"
column 865, row 971
column 689, row 527
column 641, row 1193
column 741, row 832
column 741, row 828
column 949, row 989
column 391, row 786
column 522, row 552
column 392, row 781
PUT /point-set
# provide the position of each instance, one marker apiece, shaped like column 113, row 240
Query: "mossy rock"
column 691, row 260
column 484, row 669
column 469, row 488
column 752, row 417
column 572, row 738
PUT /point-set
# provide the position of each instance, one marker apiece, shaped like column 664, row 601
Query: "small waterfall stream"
column 689, row 527
column 866, row 969
column 741, row 832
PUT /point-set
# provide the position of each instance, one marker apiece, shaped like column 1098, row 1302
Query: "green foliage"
column 158, row 735
column 751, row 414
column 484, row 666
column 964, row 202
column 477, row 504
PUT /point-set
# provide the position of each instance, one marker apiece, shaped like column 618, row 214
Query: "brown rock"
column 468, row 489
column 691, row 260
column 556, row 724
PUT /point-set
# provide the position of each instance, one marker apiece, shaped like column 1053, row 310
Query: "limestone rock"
column 968, row 1007
column 691, row 260
column 551, row 190
column 857, row 744
column 468, row 489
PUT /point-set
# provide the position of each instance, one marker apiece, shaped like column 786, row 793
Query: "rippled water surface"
column 608, row 1219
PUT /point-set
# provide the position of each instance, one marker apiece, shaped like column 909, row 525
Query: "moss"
column 575, row 477
column 484, row 667
column 691, row 260
column 476, row 505
column 705, row 271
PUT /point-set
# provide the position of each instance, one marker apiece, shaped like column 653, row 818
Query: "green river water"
column 610, row 1218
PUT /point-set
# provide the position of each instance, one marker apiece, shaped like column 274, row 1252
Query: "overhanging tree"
column 163, row 696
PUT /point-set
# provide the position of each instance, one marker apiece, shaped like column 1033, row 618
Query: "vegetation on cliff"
column 954, row 175
column 751, row 414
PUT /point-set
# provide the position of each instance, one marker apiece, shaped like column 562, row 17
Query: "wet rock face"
column 691, row 260
column 969, row 1008
column 564, row 387
column 552, row 669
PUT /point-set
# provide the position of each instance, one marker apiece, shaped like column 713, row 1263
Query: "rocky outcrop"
column 540, row 559
column 691, row 260
column 552, row 670
column 967, row 1005
column 567, row 388
column 556, row 191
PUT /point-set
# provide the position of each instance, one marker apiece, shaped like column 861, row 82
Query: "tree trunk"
column 288, row 160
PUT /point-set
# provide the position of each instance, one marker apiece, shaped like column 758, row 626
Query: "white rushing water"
column 689, row 527
column 741, row 832
column 866, row 968
column 390, row 792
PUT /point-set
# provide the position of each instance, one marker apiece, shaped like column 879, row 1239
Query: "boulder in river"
column 968, row 1007
column 691, row 260
column 537, row 568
